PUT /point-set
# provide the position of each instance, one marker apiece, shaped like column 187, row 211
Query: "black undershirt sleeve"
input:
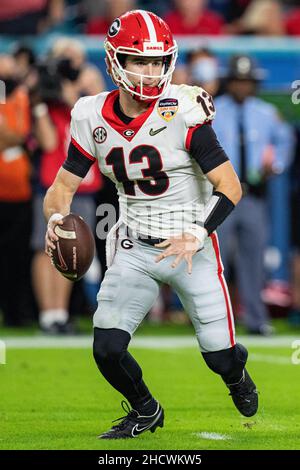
column 76, row 162
column 206, row 149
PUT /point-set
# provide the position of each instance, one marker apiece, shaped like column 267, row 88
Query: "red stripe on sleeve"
column 189, row 136
column 81, row 150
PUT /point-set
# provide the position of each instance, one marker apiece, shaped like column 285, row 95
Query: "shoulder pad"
column 197, row 105
column 83, row 107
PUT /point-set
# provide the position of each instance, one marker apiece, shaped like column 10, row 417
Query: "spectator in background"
column 294, row 314
column 192, row 17
column 59, row 89
column 159, row 8
column 15, row 196
column 30, row 16
column 259, row 145
column 235, row 9
column 292, row 22
column 203, row 70
column 90, row 80
column 113, row 9
column 180, row 74
column 261, row 17
column 25, row 60
column 25, row 66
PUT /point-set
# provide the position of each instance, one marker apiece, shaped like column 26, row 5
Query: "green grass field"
column 56, row 399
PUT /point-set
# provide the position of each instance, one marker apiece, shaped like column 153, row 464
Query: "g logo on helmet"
column 114, row 28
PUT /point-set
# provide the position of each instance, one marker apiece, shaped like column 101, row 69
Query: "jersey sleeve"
column 198, row 106
column 80, row 153
column 81, row 134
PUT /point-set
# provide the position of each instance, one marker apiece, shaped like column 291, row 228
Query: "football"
column 75, row 248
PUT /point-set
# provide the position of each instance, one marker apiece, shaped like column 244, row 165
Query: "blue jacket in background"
column 263, row 129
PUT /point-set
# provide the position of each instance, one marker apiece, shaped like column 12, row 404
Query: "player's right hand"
column 184, row 246
column 50, row 237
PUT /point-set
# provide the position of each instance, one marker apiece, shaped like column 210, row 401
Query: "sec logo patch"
column 99, row 135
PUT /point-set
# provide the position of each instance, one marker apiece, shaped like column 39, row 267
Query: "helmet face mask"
column 141, row 34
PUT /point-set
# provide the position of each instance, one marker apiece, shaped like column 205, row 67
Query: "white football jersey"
column 161, row 188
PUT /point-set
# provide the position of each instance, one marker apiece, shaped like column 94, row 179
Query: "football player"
column 175, row 185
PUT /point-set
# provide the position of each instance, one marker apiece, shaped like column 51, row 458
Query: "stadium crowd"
column 34, row 137
column 201, row 17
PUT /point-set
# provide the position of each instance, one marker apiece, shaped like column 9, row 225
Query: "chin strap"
column 149, row 92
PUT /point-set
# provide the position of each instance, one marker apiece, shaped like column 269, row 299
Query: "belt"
column 145, row 238
column 151, row 241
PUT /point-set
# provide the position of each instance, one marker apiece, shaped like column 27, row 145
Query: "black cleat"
column 244, row 395
column 133, row 424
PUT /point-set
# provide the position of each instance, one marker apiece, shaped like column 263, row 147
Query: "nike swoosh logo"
column 139, row 430
column 152, row 132
column 62, row 264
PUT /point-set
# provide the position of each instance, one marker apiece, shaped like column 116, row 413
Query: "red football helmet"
column 140, row 33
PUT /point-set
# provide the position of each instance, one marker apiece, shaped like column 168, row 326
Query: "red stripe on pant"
column 215, row 243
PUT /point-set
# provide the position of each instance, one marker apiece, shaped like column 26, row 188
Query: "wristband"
column 199, row 232
column 55, row 216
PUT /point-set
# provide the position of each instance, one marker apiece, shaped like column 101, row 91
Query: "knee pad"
column 109, row 344
column 228, row 361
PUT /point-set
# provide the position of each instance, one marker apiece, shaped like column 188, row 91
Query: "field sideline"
column 54, row 398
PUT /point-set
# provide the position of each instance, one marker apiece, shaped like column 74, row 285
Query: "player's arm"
column 204, row 147
column 59, row 196
column 227, row 193
column 206, row 150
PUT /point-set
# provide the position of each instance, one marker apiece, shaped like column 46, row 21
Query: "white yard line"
column 271, row 359
column 212, row 436
column 141, row 342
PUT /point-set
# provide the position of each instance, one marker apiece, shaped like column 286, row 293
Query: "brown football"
column 75, row 248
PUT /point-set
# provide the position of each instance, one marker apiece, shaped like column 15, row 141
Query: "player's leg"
column 227, row 240
column 126, row 295
column 204, row 296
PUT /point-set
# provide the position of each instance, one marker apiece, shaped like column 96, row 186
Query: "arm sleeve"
column 77, row 161
column 216, row 210
column 204, row 147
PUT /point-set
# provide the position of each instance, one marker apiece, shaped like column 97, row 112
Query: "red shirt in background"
column 209, row 23
column 98, row 26
column 292, row 24
column 52, row 161
column 11, row 9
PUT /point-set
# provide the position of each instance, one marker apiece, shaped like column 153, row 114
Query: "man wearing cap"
column 259, row 144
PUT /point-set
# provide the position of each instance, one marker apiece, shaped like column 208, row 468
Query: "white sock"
column 54, row 315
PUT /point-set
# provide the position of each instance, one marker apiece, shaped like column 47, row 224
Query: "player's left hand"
column 184, row 246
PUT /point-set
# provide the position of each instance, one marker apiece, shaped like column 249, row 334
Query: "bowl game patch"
column 167, row 108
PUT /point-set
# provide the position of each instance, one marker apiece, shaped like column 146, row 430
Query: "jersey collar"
column 127, row 131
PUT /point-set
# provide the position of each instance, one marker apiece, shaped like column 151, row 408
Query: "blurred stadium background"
column 51, row 53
